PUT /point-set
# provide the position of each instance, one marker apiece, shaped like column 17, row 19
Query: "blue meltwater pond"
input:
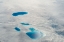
column 19, row 13
column 34, row 34
column 23, row 23
column 17, row 29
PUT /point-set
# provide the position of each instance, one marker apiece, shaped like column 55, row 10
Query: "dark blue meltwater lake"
column 34, row 34
column 19, row 13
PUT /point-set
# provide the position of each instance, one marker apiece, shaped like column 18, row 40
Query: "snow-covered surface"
column 42, row 15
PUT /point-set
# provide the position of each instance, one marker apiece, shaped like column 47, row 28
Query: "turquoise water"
column 32, row 29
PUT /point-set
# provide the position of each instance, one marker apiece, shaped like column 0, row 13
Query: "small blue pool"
column 19, row 13
column 23, row 23
column 17, row 29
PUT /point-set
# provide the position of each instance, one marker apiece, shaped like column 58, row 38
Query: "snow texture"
column 46, row 16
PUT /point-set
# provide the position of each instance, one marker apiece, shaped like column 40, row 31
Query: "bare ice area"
column 18, row 16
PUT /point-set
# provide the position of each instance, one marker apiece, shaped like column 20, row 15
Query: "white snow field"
column 46, row 16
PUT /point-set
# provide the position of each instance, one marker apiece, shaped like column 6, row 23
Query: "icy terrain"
column 46, row 16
